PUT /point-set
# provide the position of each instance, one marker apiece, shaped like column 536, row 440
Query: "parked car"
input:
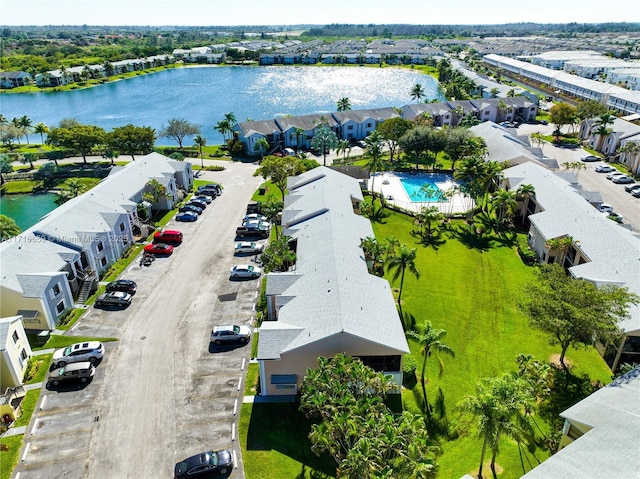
column 622, row 179
column 605, row 208
column 199, row 203
column 248, row 247
column 173, row 237
column 206, row 198
column 615, row 217
column 115, row 298
column 215, row 187
column 81, row 371
column 125, row 285
column 604, row 169
column 230, row 333
column 256, row 224
column 159, row 249
column 254, row 217
column 613, row 174
column 191, row 208
column 245, row 271
column 187, row 216
column 91, row 351
column 204, row 464
column 245, row 231
column 590, row 158
column 209, row 193
column 631, row 186
column 636, row 193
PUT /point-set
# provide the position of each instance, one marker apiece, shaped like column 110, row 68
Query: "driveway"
column 161, row 393
column 612, row 193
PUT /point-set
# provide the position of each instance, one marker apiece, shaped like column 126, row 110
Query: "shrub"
column 527, row 254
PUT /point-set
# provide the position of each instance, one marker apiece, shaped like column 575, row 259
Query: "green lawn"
column 9, row 457
column 472, row 293
column 275, row 444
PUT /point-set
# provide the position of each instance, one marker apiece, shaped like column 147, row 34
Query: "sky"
column 313, row 12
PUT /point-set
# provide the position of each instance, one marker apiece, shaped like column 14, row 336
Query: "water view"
column 202, row 96
column 26, row 210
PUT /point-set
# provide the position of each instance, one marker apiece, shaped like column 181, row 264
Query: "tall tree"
column 430, row 340
column 403, row 260
column 132, row 140
column 81, row 139
column 343, row 104
column 200, row 141
column 375, row 162
column 278, row 169
column 505, row 203
column 278, row 255
column 562, row 114
column 5, row 166
column 177, row 129
column 590, row 109
column 602, row 128
column 575, row 312
column 391, row 131
column 26, row 124
column 324, row 141
column 344, row 146
column 41, row 129
column 417, row 92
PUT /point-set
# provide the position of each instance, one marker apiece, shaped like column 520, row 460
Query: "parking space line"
column 239, row 383
column 44, row 400
column 235, row 407
column 233, row 432
column 235, row 459
column 243, row 361
column 26, row 450
column 35, row 426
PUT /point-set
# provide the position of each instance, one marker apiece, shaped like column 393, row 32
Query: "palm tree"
column 430, row 341
column 200, row 141
column 8, row 228
column 231, row 118
column 5, row 166
column 344, row 104
column 224, row 128
column 417, row 92
column 111, row 155
column 324, row 140
column 506, row 204
column 524, row 193
column 602, row 127
column 262, row 145
column 298, row 132
column 25, row 123
column 559, row 245
column 41, row 129
column 343, row 147
column 373, row 151
column 426, row 217
column 403, row 259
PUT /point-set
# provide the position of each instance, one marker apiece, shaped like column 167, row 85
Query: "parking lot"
column 162, row 392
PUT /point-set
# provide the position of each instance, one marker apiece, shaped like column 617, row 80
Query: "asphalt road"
column 162, row 392
column 612, row 193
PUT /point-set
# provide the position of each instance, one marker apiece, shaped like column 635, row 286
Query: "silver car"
column 91, row 351
column 230, row 333
column 82, row 372
column 245, row 271
column 248, row 247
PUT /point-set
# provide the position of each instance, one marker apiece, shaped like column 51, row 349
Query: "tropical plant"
column 375, row 162
column 200, row 141
column 278, row 169
column 41, row 129
column 5, row 166
column 344, row 146
column 425, row 219
column 324, row 141
column 343, row 104
column 403, row 260
column 505, row 202
column 575, row 311
column 430, row 340
column 374, row 255
column 8, row 228
column 391, row 131
column 602, row 128
column 261, row 146
column 278, row 255
column 417, row 92
column 26, row 125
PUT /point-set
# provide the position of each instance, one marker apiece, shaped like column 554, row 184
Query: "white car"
column 604, row 169
column 256, row 224
column 622, row 179
column 248, row 247
column 245, row 271
column 230, row 334
column 613, row 174
column 605, row 208
column 91, row 351
column 254, row 216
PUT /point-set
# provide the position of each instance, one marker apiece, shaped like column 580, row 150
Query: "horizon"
column 285, row 13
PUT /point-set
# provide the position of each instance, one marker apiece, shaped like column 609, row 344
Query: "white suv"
column 91, row 351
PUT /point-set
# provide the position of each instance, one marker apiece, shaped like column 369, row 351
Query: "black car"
column 190, row 207
column 205, row 464
column 124, row 285
column 198, row 203
column 211, row 186
column 208, row 192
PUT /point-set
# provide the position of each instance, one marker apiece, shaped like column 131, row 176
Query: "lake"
column 202, row 95
column 26, row 210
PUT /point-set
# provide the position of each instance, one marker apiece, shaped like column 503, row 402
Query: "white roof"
column 331, row 291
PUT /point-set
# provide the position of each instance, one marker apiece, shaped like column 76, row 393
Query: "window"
column 121, row 226
column 14, row 336
column 369, row 125
column 56, row 290
column 100, row 246
column 60, row 307
column 23, row 354
column 103, row 261
column 350, row 127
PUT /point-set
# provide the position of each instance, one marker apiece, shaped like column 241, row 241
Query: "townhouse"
column 15, row 79
column 58, row 261
column 601, row 251
column 620, row 132
column 328, row 303
column 15, row 352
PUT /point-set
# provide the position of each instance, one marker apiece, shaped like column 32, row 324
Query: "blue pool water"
column 423, row 188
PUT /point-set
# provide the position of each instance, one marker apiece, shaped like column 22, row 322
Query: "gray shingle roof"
column 334, row 293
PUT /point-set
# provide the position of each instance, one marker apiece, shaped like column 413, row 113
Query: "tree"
column 590, row 109
column 5, row 166
column 505, row 202
column 374, row 255
column 499, row 407
column 81, row 139
column 391, row 131
column 427, row 216
column 562, row 114
column 154, row 192
column 200, row 141
column 461, row 143
column 343, row 104
column 403, row 260
column 131, row 140
column 324, row 141
column 278, row 256
column 41, row 129
column 29, row 158
column 261, row 146
column 177, row 129
column 417, row 92
column 430, row 342
column 25, row 124
column 468, row 120
column 343, row 147
column 72, row 188
column 373, row 151
column 575, row 312
column 278, row 169
column 8, row 228
column 602, row 127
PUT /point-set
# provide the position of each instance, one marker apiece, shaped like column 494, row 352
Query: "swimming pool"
column 426, row 187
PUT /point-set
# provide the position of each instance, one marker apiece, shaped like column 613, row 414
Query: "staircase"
column 87, row 277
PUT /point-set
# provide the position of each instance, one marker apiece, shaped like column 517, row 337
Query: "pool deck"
column 388, row 184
